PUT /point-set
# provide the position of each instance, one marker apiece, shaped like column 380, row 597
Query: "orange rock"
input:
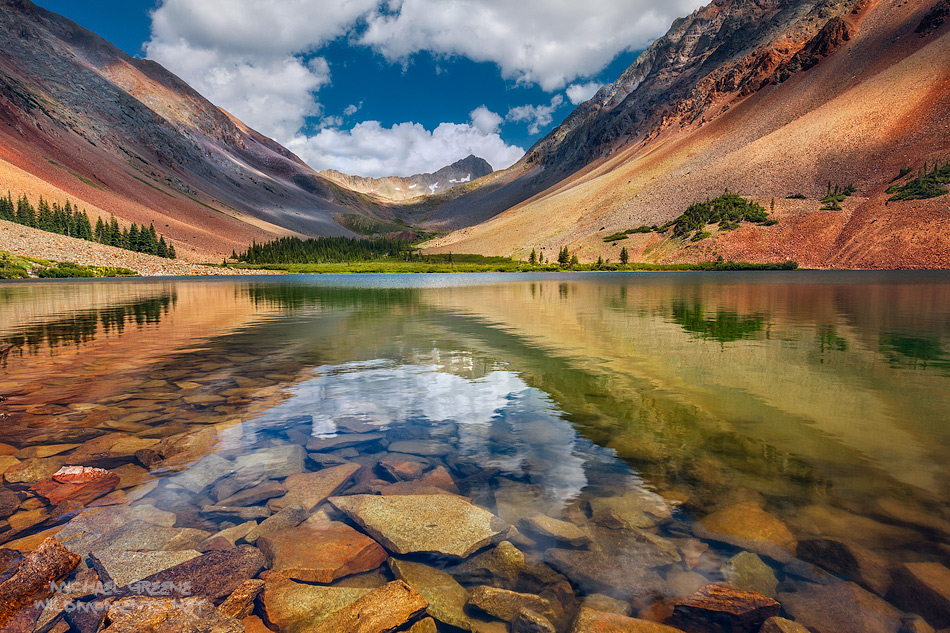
column 321, row 551
column 719, row 609
column 82, row 493
column 382, row 610
column 50, row 562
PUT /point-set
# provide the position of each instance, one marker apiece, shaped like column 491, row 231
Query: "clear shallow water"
column 819, row 398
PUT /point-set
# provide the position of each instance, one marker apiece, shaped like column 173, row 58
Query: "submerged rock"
column 178, row 449
column 505, row 605
column 748, row 526
column 500, row 566
column 288, row 517
column 295, row 608
column 564, row 531
column 50, row 562
column 164, row 615
column 123, row 567
column 591, row 621
column 446, row 597
column 382, row 610
column 924, row 588
column 718, row 609
column 848, row 560
column 781, row 625
column 596, row 572
column 748, row 572
column 275, row 463
column 203, row 473
column 215, row 575
column 840, row 607
column 321, row 552
column 312, row 489
column 240, row 603
column 528, row 621
column 434, row 524
column 631, row 510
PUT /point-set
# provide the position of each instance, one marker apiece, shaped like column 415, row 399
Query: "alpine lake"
column 717, row 452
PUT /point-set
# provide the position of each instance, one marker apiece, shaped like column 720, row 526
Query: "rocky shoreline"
column 357, row 532
column 29, row 242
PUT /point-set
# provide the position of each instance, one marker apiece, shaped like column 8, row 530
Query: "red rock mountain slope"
column 81, row 120
column 763, row 97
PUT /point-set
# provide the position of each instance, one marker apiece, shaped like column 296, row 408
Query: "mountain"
column 81, row 120
column 397, row 188
column 767, row 98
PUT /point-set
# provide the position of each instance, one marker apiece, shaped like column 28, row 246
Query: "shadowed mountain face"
column 764, row 97
column 80, row 119
column 459, row 173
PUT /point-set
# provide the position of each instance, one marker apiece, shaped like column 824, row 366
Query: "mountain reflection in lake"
column 647, row 434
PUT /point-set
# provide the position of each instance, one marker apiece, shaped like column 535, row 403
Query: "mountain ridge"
column 398, row 188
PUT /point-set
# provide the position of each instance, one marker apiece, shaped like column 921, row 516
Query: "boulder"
column 436, row 524
column 505, row 605
column 50, row 562
column 400, row 470
column 255, row 495
column 178, row 449
column 633, row 509
column 748, row 572
column 215, row 575
column 81, row 492
column 590, row 621
column 718, row 609
column 277, row 462
column 849, row 561
column 312, row 489
column 595, row 572
column 292, row 607
column 446, row 597
column 527, row 621
column 382, row 610
column 840, row 607
column 288, row 517
column 924, row 588
column 32, row 471
column 203, row 473
column 564, row 531
column 781, row 625
column 321, row 552
column 500, row 566
column 123, row 567
column 141, row 614
column 240, row 603
column 748, row 526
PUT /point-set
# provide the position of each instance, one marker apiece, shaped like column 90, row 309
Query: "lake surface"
column 678, row 420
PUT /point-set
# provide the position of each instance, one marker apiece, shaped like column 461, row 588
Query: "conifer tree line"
column 69, row 220
column 293, row 250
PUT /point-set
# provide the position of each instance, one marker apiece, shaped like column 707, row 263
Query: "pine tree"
column 624, row 256
column 7, row 210
column 574, row 261
column 25, row 213
column 600, row 262
column 533, row 257
column 563, row 256
column 115, row 233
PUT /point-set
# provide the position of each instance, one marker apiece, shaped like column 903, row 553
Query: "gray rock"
column 848, row 560
column 203, row 473
column 124, row 567
column 600, row 602
column 748, row 572
column 633, row 509
column 289, row 517
column 527, row 621
column 545, row 526
column 424, row 448
column 253, row 496
column 505, row 605
column 236, row 513
column 343, row 440
column 435, row 524
column 841, row 607
column 446, row 597
column 275, row 463
column 595, row 572
column 140, row 535
column 500, row 566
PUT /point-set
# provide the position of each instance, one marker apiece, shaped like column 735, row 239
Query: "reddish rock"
column 718, row 609
column 440, row 478
column 321, row 552
column 50, row 562
column 840, row 607
column 382, row 610
column 81, row 491
column 400, row 470
column 78, row 474
column 748, row 526
column 240, row 603
column 141, row 614
column 215, row 575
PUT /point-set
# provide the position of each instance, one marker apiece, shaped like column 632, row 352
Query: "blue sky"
column 381, row 87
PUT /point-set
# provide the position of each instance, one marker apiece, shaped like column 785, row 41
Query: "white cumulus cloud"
column 548, row 42
column 404, row 149
column 536, row 116
column 579, row 93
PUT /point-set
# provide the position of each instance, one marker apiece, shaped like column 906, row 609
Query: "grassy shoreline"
column 510, row 266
